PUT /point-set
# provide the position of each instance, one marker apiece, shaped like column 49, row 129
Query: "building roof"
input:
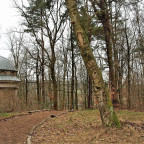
column 8, row 78
column 6, row 64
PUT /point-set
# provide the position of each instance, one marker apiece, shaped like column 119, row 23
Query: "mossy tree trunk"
column 107, row 114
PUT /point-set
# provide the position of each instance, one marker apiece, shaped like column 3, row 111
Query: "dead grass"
column 131, row 116
column 84, row 127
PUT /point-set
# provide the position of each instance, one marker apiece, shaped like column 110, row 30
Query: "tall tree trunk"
column 107, row 113
column 103, row 16
column 37, row 80
column 120, row 83
column 72, row 78
column 54, row 82
column 53, row 77
column 128, row 66
column 42, row 64
column 43, row 82
column 64, row 75
column 26, row 87
column 26, row 80
column 76, row 88
column 64, row 80
column 89, row 79
column 113, row 23
column 68, row 97
column 50, row 89
column 116, row 63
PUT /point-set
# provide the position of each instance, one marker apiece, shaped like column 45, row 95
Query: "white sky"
column 9, row 18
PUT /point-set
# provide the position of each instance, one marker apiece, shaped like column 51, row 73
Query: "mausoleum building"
column 9, row 84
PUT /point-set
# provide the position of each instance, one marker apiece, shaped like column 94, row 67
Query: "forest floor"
column 84, row 127
column 16, row 129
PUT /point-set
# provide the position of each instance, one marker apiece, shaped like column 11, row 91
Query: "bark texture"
column 107, row 114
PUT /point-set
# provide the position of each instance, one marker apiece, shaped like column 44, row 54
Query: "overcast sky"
column 9, row 18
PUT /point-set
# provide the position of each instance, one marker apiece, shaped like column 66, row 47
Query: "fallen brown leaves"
column 84, row 127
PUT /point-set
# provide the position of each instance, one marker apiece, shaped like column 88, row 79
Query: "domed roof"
column 6, row 64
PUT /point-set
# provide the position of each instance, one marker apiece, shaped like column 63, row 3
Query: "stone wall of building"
column 8, row 99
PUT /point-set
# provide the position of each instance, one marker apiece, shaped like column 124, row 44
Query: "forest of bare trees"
column 79, row 54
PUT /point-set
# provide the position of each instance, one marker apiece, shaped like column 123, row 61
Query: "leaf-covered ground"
column 84, row 127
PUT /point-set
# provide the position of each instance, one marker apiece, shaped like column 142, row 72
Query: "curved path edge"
column 23, row 114
column 38, row 125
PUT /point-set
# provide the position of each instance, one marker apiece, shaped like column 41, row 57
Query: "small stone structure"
column 8, row 85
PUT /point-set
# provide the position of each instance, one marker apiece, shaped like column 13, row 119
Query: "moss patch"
column 8, row 115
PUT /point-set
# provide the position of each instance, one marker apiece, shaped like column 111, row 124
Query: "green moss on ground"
column 8, row 115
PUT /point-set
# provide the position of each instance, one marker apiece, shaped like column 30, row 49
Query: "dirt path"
column 16, row 130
